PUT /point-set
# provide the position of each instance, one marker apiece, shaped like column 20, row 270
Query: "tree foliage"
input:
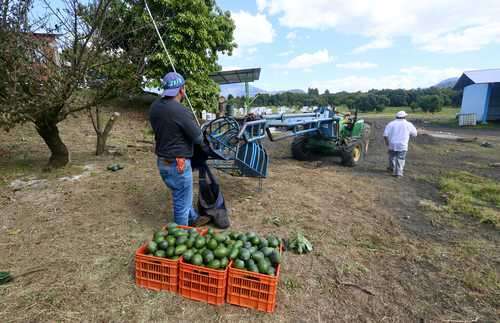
column 105, row 48
column 430, row 103
column 195, row 32
column 374, row 100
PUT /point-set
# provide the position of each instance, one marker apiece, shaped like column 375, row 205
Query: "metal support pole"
column 247, row 97
column 169, row 58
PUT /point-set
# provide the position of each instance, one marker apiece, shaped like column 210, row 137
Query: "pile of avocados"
column 215, row 250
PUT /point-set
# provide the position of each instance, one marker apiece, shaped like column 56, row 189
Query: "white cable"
column 169, row 58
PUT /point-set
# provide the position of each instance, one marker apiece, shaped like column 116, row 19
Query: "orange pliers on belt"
column 180, row 164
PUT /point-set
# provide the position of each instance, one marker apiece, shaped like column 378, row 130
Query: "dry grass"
column 84, row 234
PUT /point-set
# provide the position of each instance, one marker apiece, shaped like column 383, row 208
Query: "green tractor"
column 349, row 141
column 236, row 147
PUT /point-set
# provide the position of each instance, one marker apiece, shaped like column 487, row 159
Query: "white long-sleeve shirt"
column 398, row 133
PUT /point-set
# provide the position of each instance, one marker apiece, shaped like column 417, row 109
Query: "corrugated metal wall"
column 474, row 100
column 494, row 103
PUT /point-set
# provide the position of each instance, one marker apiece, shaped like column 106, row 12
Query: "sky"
column 357, row 45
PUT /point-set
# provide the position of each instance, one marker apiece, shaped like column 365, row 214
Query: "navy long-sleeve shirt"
column 175, row 129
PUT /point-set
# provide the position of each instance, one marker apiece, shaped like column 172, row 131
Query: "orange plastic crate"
column 157, row 273
column 202, row 284
column 154, row 272
column 252, row 290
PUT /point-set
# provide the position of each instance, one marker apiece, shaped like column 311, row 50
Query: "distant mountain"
column 447, row 83
column 239, row 90
column 291, row 91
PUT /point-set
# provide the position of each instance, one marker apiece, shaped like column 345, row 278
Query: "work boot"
column 201, row 221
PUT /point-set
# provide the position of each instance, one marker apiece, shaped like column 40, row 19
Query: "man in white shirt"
column 396, row 135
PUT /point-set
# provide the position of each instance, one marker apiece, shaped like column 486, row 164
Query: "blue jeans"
column 397, row 162
column 181, row 186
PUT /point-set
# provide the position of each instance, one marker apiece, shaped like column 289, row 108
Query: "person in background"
column 175, row 134
column 396, row 136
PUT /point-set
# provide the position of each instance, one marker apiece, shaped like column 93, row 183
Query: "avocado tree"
column 44, row 80
column 195, row 32
column 430, row 103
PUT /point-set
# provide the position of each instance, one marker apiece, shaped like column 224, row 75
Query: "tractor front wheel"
column 352, row 154
column 299, row 149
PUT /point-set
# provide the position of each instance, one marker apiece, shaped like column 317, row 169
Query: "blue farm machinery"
column 235, row 145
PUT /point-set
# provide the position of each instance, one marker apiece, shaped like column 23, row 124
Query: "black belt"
column 169, row 161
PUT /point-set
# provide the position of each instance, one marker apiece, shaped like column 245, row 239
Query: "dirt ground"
column 379, row 256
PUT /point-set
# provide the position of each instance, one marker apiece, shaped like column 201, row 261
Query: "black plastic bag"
column 210, row 199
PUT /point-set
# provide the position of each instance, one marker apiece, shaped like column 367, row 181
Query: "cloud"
column 252, row 50
column 407, row 78
column 307, row 60
column 252, row 29
column 357, row 65
column 261, row 5
column 374, row 44
column 291, row 35
column 432, row 25
column 286, row 53
column 468, row 39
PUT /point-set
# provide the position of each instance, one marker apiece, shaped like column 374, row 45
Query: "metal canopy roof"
column 236, row 76
column 478, row 76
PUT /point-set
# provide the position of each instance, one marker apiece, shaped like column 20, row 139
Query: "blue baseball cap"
column 172, row 83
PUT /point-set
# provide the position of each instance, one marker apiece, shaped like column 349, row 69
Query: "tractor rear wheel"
column 352, row 154
column 299, row 149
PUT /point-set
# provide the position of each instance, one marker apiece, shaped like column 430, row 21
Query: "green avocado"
column 208, row 256
column 224, row 262
column 163, row 245
column 214, row 264
column 267, row 251
column 255, row 241
column 170, row 251
column 159, row 239
column 181, row 240
column 171, row 240
column 188, row 255
column 244, row 254
column 240, row 264
column 275, row 257
column 190, row 242
column 219, row 237
column 221, row 252
column 249, row 263
column 160, row 233
column 273, row 242
column 180, row 233
column 234, row 253
column 151, row 247
column 197, row 260
column 256, row 256
column 212, row 244
column 179, row 250
column 199, row 243
column 160, row 253
column 171, row 226
column 263, row 266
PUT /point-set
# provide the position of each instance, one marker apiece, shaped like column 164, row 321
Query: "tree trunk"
column 59, row 155
column 102, row 136
column 101, row 144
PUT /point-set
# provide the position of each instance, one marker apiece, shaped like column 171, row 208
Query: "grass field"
column 385, row 249
column 389, row 112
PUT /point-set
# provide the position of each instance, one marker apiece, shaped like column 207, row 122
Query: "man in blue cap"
column 175, row 134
